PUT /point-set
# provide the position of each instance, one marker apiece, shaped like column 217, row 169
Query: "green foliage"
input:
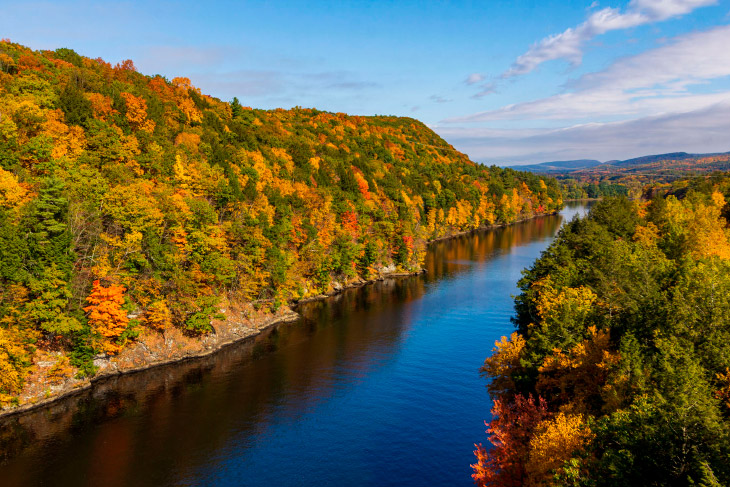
column 236, row 109
column 657, row 417
column 82, row 352
column 76, row 107
column 48, row 308
column 70, row 56
column 199, row 321
column 367, row 259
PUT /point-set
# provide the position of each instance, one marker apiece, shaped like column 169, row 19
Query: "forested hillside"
column 619, row 371
column 131, row 204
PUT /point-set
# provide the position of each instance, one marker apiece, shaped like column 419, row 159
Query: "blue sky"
column 505, row 82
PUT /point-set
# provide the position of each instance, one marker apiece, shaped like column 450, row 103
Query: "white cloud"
column 664, row 9
column 569, row 44
column 474, row 78
column 653, row 82
column 698, row 131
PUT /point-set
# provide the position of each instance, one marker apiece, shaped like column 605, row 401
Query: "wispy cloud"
column 569, row 44
column 169, row 58
column 267, row 83
column 703, row 130
column 439, row 99
column 474, row 78
column 484, row 90
column 353, row 85
column 656, row 81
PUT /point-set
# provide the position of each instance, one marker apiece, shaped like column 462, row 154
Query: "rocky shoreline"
column 153, row 349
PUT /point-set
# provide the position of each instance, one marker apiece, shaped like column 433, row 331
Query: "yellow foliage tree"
column 554, row 442
column 554, row 305
column 12, row 194
column 576, row 379
column 504, row 360
column 188, row 175
column 699, row 225
column 158, row 316
column 184, row 102
column 188, row 140
column 646, row 236
column 67, row 141
column 12, row 360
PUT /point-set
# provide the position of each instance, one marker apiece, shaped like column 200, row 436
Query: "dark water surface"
column 376, row 387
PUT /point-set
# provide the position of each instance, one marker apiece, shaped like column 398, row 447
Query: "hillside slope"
column 130, row 204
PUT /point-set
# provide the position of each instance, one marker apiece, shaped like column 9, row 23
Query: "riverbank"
column 52, row 379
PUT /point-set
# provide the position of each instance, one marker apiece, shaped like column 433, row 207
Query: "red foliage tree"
column 509, row 432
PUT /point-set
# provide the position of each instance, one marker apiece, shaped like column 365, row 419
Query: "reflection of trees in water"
column 163, row 424
column 448, row 257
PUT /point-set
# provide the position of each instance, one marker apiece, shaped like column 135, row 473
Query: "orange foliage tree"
column 137, row 113
column 106, row 315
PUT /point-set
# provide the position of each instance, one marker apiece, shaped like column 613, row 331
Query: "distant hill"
column 673, row 163
column 558, row 166
column 672, row 156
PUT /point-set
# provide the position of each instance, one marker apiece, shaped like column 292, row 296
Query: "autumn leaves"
column 124, row 194
column 618, row 373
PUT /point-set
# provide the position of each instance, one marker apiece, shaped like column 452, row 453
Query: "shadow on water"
column 164, row 425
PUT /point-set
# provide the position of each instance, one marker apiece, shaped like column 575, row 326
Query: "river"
column 378, row 386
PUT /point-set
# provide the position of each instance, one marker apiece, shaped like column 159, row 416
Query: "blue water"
column 377, row 387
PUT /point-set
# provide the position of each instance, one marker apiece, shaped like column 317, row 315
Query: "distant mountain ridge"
column 672, row 156
column 660, row 163
column 558, row 166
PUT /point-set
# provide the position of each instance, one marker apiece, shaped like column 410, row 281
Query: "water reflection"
column 448, row 257
column 215, row 420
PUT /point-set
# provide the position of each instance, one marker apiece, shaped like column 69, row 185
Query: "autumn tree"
column 106, row 316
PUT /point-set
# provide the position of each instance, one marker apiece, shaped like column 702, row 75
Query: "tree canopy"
column 622, row 351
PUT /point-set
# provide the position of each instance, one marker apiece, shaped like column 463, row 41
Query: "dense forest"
column 130, row 204
column 618, row 372
column 574, row 189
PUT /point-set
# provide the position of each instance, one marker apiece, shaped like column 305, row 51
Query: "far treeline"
column 634, row 177
column 618, row 372
column 574, row 189
column 133, row 203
